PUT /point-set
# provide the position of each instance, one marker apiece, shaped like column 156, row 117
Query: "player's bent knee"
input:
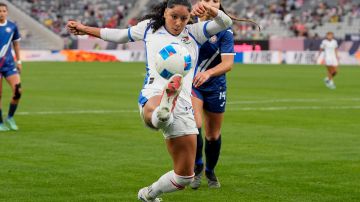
column 213, row 136
column 183, row 181
column 17, row 93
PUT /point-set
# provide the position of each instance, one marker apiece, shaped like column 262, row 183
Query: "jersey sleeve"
column 198, row 32
column 322, row 45
column 227, row 43
column 202, row 31
column 16, row 36
column 135, row 33
column 336, row 44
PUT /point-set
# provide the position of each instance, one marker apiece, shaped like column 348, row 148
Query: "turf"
column 286, row 137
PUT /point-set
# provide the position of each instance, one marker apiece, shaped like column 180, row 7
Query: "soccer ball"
column 173, row 59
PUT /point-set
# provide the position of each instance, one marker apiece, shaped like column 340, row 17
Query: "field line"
column 278, row 108
column 293, row 108
column 78, row 112
column 309, row 100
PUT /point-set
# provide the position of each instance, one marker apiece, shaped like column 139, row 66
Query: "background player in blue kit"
column 9, row 69
column 209, row 98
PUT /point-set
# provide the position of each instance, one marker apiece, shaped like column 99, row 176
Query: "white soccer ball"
column 173, row 59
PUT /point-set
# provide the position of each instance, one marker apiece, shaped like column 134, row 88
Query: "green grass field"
column 286, row 137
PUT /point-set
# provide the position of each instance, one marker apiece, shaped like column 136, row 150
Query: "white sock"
column 168, row 183
column 160, row 124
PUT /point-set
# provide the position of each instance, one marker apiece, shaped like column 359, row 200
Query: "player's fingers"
column 197, row 13
column 200, row 81
column 71, row 24
column 202, row 7
column 196, row 81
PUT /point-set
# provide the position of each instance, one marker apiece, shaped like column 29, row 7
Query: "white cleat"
column 169, row 97
column 329, row 83
column 144, row 196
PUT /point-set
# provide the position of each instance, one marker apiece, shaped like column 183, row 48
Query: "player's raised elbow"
column 228, row 22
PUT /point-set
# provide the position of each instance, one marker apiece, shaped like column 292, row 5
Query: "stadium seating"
column 278, row 18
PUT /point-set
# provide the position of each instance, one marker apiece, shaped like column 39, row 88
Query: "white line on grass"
column 280, row 108
column 285, row 108
column 77, row 112
column 310, row 100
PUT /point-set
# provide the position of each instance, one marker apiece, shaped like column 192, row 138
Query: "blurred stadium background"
column 292, row 29
column 286, row 136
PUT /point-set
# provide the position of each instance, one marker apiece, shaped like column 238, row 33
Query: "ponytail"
column 240, row 19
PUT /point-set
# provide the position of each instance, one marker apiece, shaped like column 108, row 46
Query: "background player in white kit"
column 330, row 57
column 166, row 104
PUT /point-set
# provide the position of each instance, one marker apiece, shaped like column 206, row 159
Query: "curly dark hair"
column 156, row 14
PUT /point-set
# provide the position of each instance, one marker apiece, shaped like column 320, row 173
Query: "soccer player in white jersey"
column 9, row 69
column 330, row 56
column 166, row 104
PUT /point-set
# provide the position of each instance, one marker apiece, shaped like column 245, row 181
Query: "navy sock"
column 1, row 118
column 199, row 149
column 12, row 110
column 212, row 152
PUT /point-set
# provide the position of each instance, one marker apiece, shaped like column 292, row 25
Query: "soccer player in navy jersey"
column 209, row 98
column 9, row 68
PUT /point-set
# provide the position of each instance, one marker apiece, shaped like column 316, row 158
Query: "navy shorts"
column 214, row 101
column 8, row 71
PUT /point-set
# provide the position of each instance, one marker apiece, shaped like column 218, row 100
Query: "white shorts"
column 184, row 121
column 331, row 61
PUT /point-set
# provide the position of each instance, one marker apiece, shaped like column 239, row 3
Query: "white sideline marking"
column 291, row 100
column 280, row 108
column 77, row 112
column 284, row 108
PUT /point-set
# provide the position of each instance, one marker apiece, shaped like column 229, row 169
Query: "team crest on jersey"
column 8, row 29
column 186, row 40
column 213, row 39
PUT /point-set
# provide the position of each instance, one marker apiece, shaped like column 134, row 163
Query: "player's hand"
column 19, row 68
column 201, row 78
column 202, row 9
column 75, row 28
column 199, row 10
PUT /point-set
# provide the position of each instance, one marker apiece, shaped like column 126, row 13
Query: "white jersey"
column 191, row 38
column 328, row 56
column 329, row 48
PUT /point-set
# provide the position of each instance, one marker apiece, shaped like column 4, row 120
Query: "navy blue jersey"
column 8, row 33
column 210, row 56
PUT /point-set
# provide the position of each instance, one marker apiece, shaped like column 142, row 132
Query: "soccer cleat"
column 169, row 97
column 11, row 123
column 3, row 127
column 329, row 83
column 213, row 181
column 196, row 183
column 144, row 196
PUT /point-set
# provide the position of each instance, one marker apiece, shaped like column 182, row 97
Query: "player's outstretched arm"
column 221, row 20
column 202, row 31
column 77, row 28
column 113, row 35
